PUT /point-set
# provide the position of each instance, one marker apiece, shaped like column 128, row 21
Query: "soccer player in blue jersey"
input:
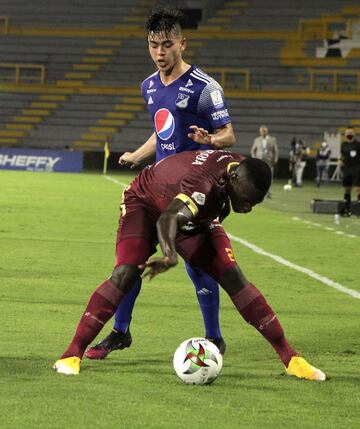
column 189, row 113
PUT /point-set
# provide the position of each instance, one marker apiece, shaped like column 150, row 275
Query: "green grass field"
column 57, row 236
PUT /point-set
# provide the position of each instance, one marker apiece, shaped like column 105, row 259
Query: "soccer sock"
column 253, row 307
column 100, row 308
column 347, row 200
column 207, row 291
column 125, row 309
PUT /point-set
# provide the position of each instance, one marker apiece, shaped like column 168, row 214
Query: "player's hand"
column 199, row 135
column 128, row 159
column 155, row 266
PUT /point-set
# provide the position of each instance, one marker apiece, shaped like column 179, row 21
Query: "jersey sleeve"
column 212, row 105
column 195, row 193
column 143, row 91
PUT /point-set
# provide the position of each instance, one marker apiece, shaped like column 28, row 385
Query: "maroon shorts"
column 209, row 250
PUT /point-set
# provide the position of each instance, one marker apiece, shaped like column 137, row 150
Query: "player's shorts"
column 210, row 249
column 351, row 176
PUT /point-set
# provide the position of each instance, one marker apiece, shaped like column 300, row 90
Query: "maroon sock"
column 101, row 307
column 253, row 307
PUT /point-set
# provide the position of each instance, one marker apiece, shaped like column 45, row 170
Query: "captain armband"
column 189, row 203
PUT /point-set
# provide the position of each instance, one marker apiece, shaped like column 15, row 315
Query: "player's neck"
column 178, row 70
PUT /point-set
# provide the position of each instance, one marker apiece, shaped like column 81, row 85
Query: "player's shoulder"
column 150, row 80
column 202, row 79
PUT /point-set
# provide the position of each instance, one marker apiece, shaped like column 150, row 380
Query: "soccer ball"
column 287, row 187
column 197, row 361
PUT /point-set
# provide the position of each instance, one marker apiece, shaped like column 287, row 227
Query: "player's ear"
column 183, row 44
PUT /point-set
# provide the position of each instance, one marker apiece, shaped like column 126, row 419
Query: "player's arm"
column 276, row 152
column 253, row 150
column 221, row 138
column 341, row 157
column 225, row 211
column 179, row 212
column 145, row 151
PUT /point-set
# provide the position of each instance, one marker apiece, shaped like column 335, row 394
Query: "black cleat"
column 219, row 343
column 114, row 341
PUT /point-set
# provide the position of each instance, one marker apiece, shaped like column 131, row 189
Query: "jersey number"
column 230, row 253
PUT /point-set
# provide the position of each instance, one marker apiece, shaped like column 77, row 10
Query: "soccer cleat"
column 302, row 369
column 116, row 340
column 68, row 366
column 219, row 343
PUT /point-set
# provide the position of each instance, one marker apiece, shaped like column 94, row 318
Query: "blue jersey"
column 193, row 99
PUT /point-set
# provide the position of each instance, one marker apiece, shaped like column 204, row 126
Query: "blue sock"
column 125, row 309
column 207, row 291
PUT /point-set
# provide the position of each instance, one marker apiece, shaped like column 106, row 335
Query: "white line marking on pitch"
column 307, row 271
column 279, row 259
column 319, row 225
column 115, row 181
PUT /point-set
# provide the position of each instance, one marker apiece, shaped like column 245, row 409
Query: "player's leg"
column 256, row 311
column 207, row 291
column 105, row 300
column 347, row 184
column 135, row 221
column 216, row 257
column 120, row 337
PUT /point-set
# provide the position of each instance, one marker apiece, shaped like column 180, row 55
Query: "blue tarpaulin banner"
column 41, row 160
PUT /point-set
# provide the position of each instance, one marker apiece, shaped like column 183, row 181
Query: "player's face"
column 166, row 50
column 243, row 195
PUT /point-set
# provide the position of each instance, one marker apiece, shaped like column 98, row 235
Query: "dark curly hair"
column 165, row 19
column 259, row 173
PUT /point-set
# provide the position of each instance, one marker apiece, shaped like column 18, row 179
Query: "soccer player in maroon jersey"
column 174, row 202
column 189, row 112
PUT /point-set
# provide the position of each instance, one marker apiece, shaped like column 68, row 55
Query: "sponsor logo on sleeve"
column 216, row 98
column 220, row 114
column 199, row 198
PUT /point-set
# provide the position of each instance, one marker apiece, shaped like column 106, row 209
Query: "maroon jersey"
column 199, row 178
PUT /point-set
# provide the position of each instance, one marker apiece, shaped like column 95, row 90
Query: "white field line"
column 280, row 259
column 115, row 181
column 327, row 228
column 307, row 271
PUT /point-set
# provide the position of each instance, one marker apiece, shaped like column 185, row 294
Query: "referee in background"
column 350, row 162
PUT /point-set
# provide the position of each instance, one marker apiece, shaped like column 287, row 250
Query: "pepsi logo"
column 164, row 124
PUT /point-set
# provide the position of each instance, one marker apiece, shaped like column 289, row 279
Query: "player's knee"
column 233, row 280
column 125, row 277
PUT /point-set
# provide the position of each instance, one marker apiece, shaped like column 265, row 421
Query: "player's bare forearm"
column 221, row 138
column 145, row 151
column 176, row 215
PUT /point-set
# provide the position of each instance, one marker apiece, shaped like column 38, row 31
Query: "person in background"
column 265, row 148
column 322, row 163
column 297, row 160
column 350, row 163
